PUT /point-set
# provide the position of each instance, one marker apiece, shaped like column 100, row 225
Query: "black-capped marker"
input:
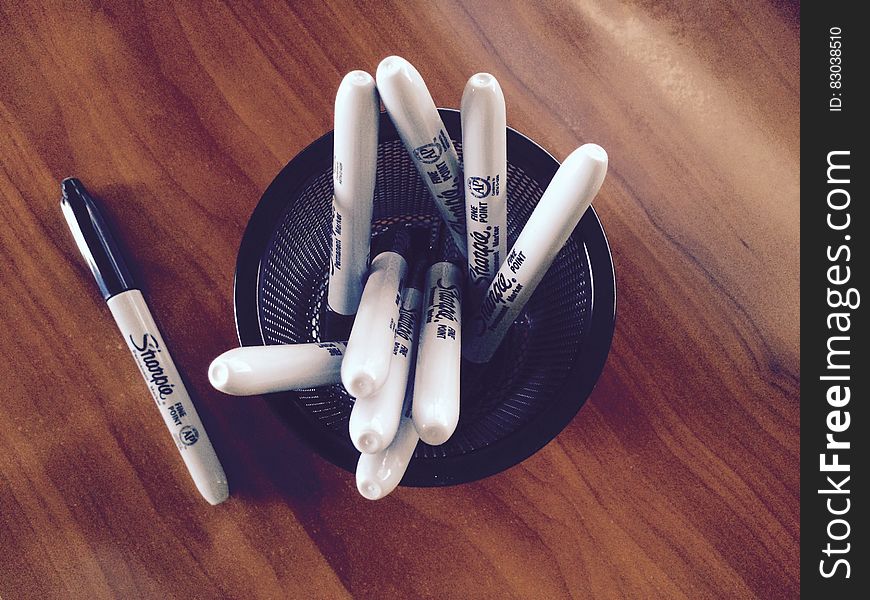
column 139, row 330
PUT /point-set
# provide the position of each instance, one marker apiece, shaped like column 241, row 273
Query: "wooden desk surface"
column 679, row 478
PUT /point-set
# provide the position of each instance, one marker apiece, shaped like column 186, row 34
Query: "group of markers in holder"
column 407, row 290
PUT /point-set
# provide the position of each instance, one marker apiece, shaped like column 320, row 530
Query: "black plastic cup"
column 510, row 408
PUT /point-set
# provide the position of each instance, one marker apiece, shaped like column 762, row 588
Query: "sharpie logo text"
column 147, row 354
column 454, row 202
column 502, row 291
column 405, row 328
column 444, row 301
column 481, row 250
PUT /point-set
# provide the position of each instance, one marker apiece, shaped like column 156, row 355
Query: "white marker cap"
column 484, row 127
column 265, row 369
column 436, row 404
column 370, row 347
column 482, row 91
column 400, row 84
column 378, row 474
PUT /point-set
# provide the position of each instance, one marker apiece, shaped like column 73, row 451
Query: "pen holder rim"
column 502, row 453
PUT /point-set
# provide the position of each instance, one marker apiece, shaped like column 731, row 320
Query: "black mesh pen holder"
column 537, row 381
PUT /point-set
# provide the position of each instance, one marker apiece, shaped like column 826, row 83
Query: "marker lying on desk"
column 484, row 152
column 370, row 347
column 355, row 157
column 254, row 370
column 127, row 305
column 413, row 112
column 374, row 420
column 559, row 210
column 435, row 407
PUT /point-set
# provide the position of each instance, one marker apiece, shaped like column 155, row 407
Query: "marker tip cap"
column 360, row 78
column 595, row 152
column 369, row 489
column 214, row 492
column 218, row 374
column 362, row 385
column 434, row 434
column 391, row 65
column 369, row 442
column 482, row 80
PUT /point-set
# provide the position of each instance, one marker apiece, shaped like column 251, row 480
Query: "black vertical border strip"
column 824, row 131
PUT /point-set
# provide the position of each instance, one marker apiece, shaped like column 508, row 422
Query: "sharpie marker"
column 565, row 200
column 375, row 420
column 484, row 151
column 144, row 340
column 355, row 157
column 435, row 407
column 255, row 370
column 369, row 350
column 413, row 112
column 378, row 474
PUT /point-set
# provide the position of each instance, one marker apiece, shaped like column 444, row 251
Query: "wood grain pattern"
column 679, row 479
